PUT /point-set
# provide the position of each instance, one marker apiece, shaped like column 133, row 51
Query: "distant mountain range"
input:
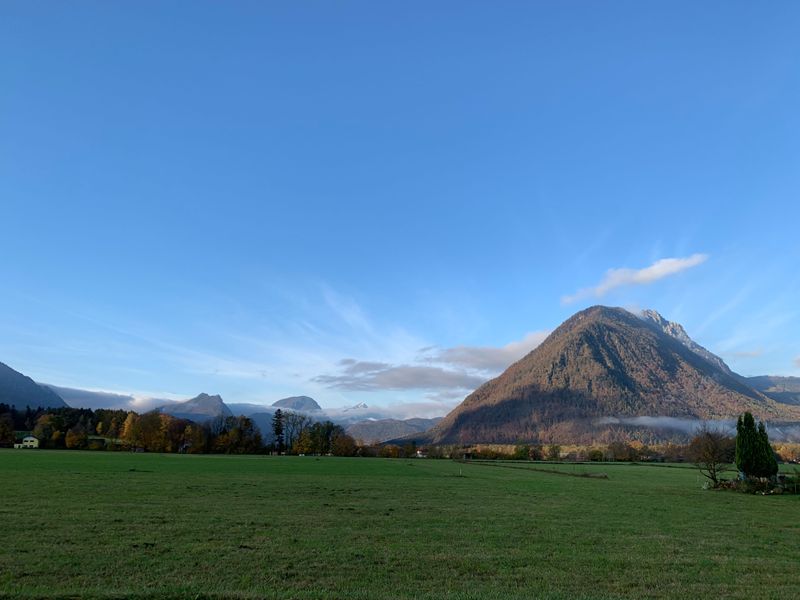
column 200, row 408
column 303, row 404
column 780, row 389
column 21, row 392
column 381, row 430
column 300, row 403
column 606, row 373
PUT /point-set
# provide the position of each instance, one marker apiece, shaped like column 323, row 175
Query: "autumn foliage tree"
column 76, row 438
column 343, row 445
column 156, row 431
column 293, row 424
column 132, row 430
column 238, row 435
column 48, row 431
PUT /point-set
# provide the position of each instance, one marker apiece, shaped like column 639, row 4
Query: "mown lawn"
column 83, row 524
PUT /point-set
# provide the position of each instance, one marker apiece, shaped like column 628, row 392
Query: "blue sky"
column 386, row 202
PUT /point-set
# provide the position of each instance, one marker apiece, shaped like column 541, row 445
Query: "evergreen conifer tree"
column 754, row 455
column 277, row 429
column 745, row 444
column 767, row 465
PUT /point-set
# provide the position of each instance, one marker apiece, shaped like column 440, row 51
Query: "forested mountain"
column 21, row 392
column 598, row 368
column 677, row 331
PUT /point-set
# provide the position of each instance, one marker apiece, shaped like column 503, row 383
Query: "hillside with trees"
column 592, row 376
column 22, row 392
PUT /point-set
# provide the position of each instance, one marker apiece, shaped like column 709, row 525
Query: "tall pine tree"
column 746, row 444
column 277, row 429
column 767, row 464
column 754, row 455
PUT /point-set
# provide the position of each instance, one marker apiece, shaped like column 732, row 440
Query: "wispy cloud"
column 359, row 376
column 463, row 368
column 615, row 278
column 445, row 396
column 279, row 357
column 797, row 362
column 486, row 358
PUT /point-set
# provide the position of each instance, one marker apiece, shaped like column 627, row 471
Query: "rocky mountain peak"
column 302, row 403
column 676, row 330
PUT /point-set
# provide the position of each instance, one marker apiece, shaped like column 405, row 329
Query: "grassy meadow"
column 114, row 525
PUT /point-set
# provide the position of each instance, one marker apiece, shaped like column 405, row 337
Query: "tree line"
column 296, row 433
column 155, row 431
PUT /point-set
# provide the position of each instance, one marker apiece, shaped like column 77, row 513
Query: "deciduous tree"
column 711, row 451
column 293, row 424
column 132, row 430
column 343, row 445
column 302, row 444
column 45, row 429
column 554, row 452
column 6, row 430
column 76, row 438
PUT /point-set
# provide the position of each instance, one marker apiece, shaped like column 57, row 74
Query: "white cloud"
column 615, row 278
column 797, row 362
column 94, row 399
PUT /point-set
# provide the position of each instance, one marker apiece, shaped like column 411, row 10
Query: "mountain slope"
column 781, row 389
column 21, row 391
column 301, row 403
column 380, row 430
column 677, row 331
column 602, row 362
column 200, row 408
column 245, row 408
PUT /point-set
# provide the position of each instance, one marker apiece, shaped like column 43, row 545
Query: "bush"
column 521, row 452
column 554, row 452
column 595, row 455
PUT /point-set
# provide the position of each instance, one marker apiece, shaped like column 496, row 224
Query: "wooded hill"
column 595, row 372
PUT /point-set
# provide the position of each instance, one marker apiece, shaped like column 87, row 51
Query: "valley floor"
column 114, row 525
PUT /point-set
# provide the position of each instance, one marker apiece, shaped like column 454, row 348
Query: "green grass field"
column 82, row 524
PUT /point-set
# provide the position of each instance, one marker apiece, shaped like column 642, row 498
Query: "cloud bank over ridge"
column 446, row 374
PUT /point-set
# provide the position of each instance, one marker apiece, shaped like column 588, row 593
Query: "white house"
column 28, row 441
